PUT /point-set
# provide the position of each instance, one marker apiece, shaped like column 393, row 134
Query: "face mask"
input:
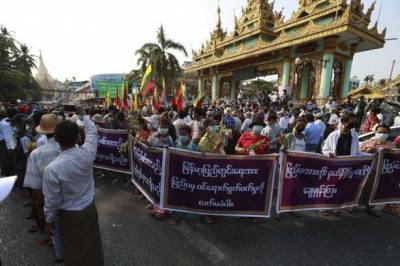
column 214, row 129
column 184, row 139
column 163, row 131
column 257, row 130
column 381, row 136
column 14, row 129
column 299, row 130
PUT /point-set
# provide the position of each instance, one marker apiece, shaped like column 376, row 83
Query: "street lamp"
column 299, row 61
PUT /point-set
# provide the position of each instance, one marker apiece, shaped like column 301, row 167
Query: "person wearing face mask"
column 161, row 137
column 376, row 145
column 213, row 139
column 251, row 143
column 273, row 132
column 184, row 141
column 296, row 140
column 343, row 141
column 380, row 141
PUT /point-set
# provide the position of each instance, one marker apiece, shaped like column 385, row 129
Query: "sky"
column 80, row 38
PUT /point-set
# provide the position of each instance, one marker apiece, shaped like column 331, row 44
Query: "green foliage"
column 16, row 63
column 258, row 86
column 166, row 65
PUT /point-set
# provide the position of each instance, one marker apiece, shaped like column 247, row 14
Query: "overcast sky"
column 85, row 37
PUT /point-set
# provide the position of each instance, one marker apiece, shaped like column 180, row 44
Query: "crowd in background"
column 273, row 124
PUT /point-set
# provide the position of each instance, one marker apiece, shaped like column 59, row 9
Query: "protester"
column 38, row 161
column 296, row 140
column 247, row 122
column 180, row 121
column 375, row 145
column 397, row 121
column 252, row 143
column 273, row 132
column 283, row 121
column 360, row 111
column 312, row 134
column 343, row 141
column 68, row 188
column 213, row 140
column 7, row 144
column 162, row 138
column 370, row 122
column 23, row 146
column 184, row 140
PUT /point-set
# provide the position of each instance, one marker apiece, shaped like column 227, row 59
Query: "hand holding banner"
column 108, row 155
column 386, row 188
column 315, row 182
column 146, row 171
column 218, row 184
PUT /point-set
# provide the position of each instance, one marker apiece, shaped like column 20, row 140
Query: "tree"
column 159, row 55
column 16, row 63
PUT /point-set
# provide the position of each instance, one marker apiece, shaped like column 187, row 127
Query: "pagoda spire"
column 219, row 23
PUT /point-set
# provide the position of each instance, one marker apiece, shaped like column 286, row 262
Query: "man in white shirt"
column 68, row 187
column 247, row 122
column 397, row 121
column 178, row 123
column 7, row 143
column 330, row 105
column 283, row 121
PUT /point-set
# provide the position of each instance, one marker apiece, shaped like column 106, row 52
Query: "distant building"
column 355, row 83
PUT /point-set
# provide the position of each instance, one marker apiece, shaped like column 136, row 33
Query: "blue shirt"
column 229, row 122
column 313, row 133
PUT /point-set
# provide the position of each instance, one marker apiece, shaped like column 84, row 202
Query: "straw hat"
column 48, row 124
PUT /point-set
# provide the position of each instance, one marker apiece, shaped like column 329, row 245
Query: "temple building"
column 48, row 84
column 312, row 52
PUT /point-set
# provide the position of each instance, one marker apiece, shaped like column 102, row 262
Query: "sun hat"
column 48, row 124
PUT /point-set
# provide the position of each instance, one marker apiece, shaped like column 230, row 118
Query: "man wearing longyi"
column 68, row 188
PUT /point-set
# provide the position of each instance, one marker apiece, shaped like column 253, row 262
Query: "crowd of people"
column 52, row 151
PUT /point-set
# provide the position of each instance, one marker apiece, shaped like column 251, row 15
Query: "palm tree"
column 24, row 61
column 7, row 47
column 166, row 65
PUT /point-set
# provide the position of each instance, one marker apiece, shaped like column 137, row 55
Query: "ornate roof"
column 265, row 30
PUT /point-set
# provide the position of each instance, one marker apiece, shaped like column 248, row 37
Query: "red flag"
column 180, row 98
column 155, row 99
column 148, row 87
column 125, row 90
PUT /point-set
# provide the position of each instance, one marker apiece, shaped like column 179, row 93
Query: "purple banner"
column 108, row 151
column 146, row 171
column 315, row 182
column 218, row 184
column 387, row 180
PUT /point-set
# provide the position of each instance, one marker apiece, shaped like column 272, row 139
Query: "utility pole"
column 391, row 71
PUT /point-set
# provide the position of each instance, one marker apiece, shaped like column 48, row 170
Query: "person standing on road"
column 68, row 188
column 38, row 160
column 312, row 133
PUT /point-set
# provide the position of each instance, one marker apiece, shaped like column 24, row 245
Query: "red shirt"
column 248, row 141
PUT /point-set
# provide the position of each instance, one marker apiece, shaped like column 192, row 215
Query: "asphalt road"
column 131, row 237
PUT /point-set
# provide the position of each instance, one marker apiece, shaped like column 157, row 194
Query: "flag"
column 181, row 95
column 107, row 99
column 198, row 102
column 155, row 100
column 135, row 102
column 117, row 99
column 148, row 81
column 164, row 98
column 125, row 104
